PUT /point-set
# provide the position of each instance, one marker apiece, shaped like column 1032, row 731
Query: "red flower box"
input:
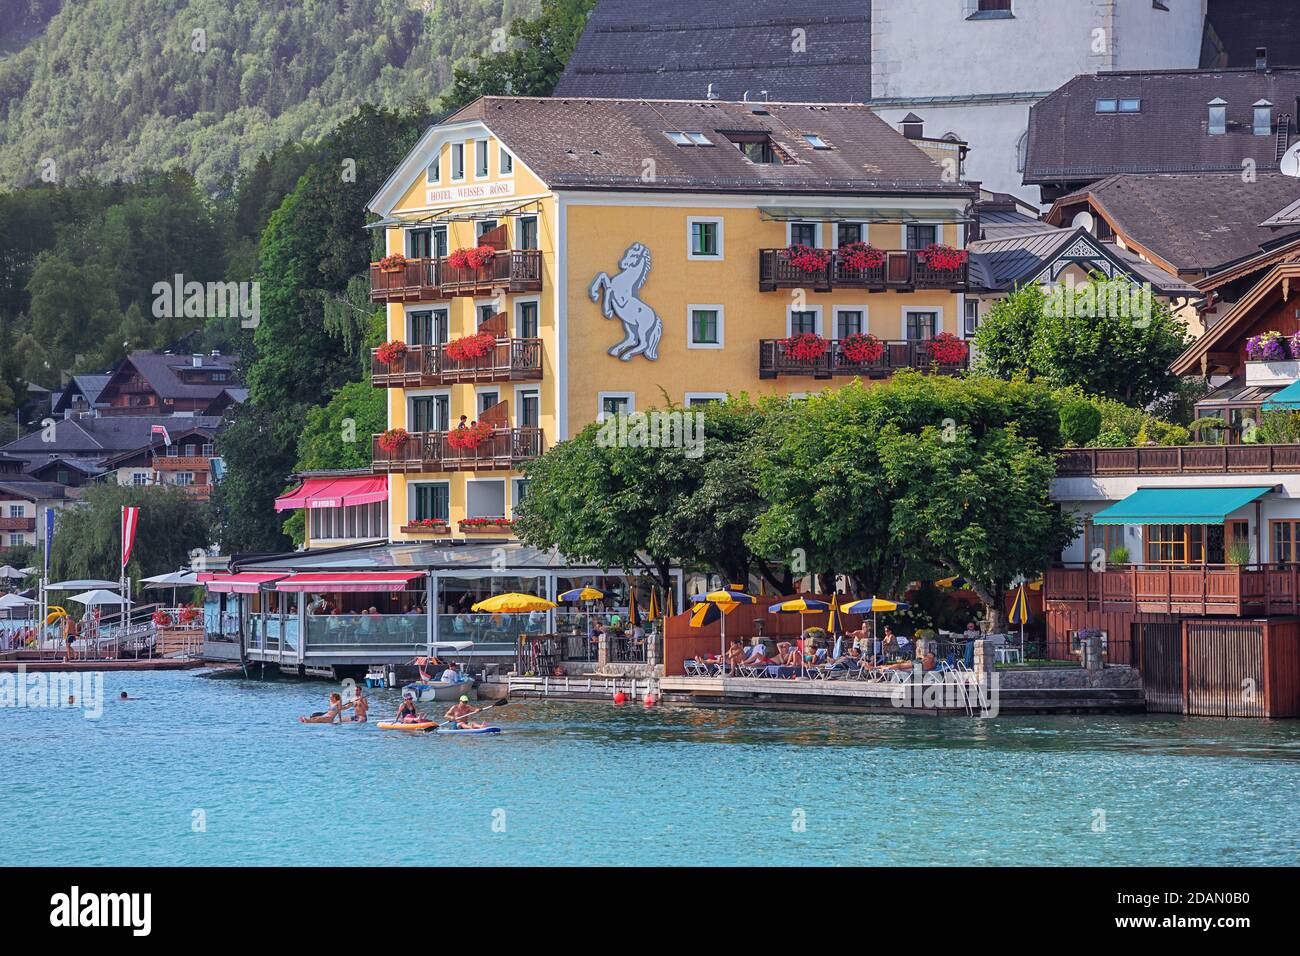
column 189, row 614
column 471, row 436
column 470, row 346
column 807, row 259
column 472, row 258
column 805, row 347
column 947, row 349
column 941, row 257
column 394, row 263
column 391, row 353
column 426, row 524
column 860, row 257
column 861, row 349
column 481, row 524
column 393, row 439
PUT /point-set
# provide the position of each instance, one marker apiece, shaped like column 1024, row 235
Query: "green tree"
column 87, row 537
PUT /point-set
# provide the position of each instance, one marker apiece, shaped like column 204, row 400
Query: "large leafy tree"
column 1079, row 337
column 87, row 537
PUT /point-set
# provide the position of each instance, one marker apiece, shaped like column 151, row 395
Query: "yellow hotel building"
column 639, row 249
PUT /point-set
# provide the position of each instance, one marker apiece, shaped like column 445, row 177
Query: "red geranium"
column 859, row 348
column 436, row 524
column 162, row 618
column 859, row 256
column 947, row 349
column 471, row 346
column 486, row 522
column 807, row 259
column 390, row 353
column 471, row 436
column 189, row 614
column 393, row 439
column 393, row 262
column 474, row 257
column 941, row 257
column 806, row 347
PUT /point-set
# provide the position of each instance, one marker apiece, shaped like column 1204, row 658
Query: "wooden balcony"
column 1179, row 460
column 416, row 281
column 17, row 524
column 505, row 448
column 902, row 271
column 512, row 360
column 773, row 361
column 181, row 463
column 1237, row 590
column 511, row 270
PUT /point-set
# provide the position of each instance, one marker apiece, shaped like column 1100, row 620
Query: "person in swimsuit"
column 458, row 712
column 333, row 715
column 407, row 713
column 359, row 706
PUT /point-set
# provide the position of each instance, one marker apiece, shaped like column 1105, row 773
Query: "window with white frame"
column 17, row 540
column 801, row 321
column 16, row 511
column 704, row 328
column 805, row 234
column 184, row 478
column 433, row 172
column 1262, row 124
column 1218, row 122
column 505, row 162
column 704, row 237
column 696, row 399
column 350, row 521
column 972, row 318
column 526, row 318
column 140, row 478
column 457, row 161
column 209, row 449
column 850, row 320
column 615, row 403
column 480, row 158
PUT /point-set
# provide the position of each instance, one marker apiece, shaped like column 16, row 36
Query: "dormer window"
column 1218, row 124
column 758, row 148
column 1263, row 118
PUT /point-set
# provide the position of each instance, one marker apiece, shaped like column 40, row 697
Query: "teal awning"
column 1179, row 505
column 1288, row 398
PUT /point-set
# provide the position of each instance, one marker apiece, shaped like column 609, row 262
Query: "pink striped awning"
column 335, row 492
column 247, row 583
column 339, row 581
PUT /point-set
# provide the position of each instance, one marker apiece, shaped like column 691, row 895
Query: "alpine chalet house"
column 551, row 261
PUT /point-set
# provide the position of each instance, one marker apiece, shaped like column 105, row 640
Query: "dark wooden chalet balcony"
column 17, row 524
column 902, row 271
column 1179, row 460
column 511, row 360
column 505, row 448
column 416, row 281
column 774, row 361
column 1236, row 590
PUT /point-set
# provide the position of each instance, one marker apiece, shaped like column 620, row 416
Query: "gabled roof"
column 164, row 371
column 676, row 50
column 32, row 490
column 100, row 437
column 1282, row 278
column 87, row 386
column 1070, row 142
column 1190, row 222
column 606, row 144
column 1288, row 216
column 1003, row 263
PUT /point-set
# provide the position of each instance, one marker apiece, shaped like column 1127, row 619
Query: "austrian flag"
column 130, row 519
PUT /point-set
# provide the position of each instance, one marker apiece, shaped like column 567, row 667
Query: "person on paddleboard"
column 457, row 713
column 408, row 714
column 359, row 706
column 333, row 715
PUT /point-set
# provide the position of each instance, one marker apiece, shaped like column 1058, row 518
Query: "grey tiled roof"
column 673, row 49
column 606, row 143
column 1069, row 141
column 101, row 437
column 160, row 371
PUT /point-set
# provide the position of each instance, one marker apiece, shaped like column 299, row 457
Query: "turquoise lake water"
column 217, row 772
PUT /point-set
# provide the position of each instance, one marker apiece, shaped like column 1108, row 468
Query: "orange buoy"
column 620, row 697
column 649, row 700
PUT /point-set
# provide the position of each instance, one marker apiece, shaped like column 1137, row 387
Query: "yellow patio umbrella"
column 513, row 603
column 725, row 600
column 652, row 612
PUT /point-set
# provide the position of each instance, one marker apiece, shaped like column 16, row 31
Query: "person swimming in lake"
column 333, row 715
column 457, row 713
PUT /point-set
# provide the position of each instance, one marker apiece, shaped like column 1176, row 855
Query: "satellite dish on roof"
column 1085, row 220
column 1290, row 164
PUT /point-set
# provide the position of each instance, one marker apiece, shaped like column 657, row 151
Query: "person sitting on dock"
column 735, row 655
column 927, row 663
column 457, row 713
column 333, row 715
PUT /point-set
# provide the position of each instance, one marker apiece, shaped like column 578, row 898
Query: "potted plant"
column 1267, row 347
column 393, row 439
column 947, row 349
column 473, row 257
column 485, row 524
column 1238, row 553
column 1118, row 555
column 860, row 257
column 805, row 347
column 860, row 348
column 427, row 524
column 391, row 353
column 942, row 257
column 471, row 436
column 392, row 263
column 808, row 259
column 162, row 618
column 470, row 346
column 189, row 614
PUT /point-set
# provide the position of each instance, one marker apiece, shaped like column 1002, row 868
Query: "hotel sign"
column 469, row 191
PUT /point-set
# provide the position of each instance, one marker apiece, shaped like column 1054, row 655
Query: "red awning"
column 238, row 583
column 335, row 492
column 337, row 581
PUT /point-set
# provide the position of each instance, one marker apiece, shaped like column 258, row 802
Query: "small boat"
column 424, row 691
column 468, row 730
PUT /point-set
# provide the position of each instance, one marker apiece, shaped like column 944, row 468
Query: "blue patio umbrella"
column 725, row 600
column 870, row 606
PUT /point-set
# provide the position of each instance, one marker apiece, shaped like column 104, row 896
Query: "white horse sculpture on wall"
column 643, row 326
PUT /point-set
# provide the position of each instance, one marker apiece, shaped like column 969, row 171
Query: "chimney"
column 913, row 126
column 197, row 360
column 216, row 353
column 1261, row 59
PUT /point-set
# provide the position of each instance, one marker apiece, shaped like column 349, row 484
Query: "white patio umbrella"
column 9, row 571
column 81, row 585
column 173, row 580
column 29, row 570
column 10, row 601
column 99, row 596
